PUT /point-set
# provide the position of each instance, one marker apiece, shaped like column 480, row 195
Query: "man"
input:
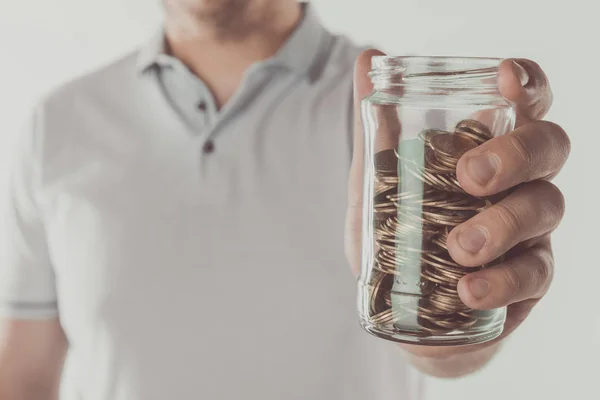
column 178, row 219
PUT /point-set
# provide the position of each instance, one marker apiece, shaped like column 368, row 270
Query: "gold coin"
column 385, row 269
column 459, row 203
column 431, row 328
column 450, row 310
column 436, row 220
column 455, row 325
column 470, row 135
column 442, row 239
column 451, row 146
column 381, row 285
column 391, row 180
column 386, row 255
column 428, row 275
column 417, row 201
column 382, row 187
column 446, row 299
column 475, row 126
column 436, row 164
column 441, row 273
column 446, row 262
column 444, row 182
column 446, row 217
column 386, row 317
column 427, row 134
column 450, row 291
column 386, row 162
column 453, row 202
column 446, row 165
column 387, row 208
column 389, row 247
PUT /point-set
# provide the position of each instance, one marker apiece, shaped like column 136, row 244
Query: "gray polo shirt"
column 192, row 253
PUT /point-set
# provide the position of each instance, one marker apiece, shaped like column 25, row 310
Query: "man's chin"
column 209, row 9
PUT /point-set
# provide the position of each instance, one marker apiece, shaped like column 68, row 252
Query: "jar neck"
column 436, row 76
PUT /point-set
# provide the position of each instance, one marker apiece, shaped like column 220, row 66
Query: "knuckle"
column 512, row 282
column 536, row 72
column 556, row 198
column 523, row 151
column 531, row 66
column 509, row 217
column 560, row 138
column 530, row 63
column 553, row 200
column 541, row 270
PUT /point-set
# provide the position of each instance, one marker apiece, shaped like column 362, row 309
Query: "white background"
column 556, row 353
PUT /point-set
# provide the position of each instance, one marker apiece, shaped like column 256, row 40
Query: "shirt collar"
column 299, row 53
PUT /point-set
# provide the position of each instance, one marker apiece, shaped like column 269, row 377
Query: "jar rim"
column 378, row 62
column 433, row 73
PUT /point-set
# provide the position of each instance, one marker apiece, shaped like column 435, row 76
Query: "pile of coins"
column 417, row 201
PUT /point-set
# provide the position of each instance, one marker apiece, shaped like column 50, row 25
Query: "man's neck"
column 220, row 54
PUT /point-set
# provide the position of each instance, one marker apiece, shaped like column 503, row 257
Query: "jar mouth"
column 379, row 62
column 475, row 73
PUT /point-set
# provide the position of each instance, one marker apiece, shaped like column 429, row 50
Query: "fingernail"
column 479, row 288
column 482, row 168
column 521, row 73
column 472, row 240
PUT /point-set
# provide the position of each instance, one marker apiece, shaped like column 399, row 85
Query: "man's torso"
column 187, row 273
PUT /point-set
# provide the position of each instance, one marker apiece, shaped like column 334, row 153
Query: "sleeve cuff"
column 24, row 310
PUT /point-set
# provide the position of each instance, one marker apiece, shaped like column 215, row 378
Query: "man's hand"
column 519, row 225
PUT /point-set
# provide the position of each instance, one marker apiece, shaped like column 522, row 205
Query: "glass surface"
column 424, row 114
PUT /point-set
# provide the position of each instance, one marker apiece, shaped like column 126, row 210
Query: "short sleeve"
column 27, row 284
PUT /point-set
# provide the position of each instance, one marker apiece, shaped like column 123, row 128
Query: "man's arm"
column 32, row 355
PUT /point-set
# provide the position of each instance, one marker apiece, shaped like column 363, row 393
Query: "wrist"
column 450, row 362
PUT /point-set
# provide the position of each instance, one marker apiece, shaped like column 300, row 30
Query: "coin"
column 386, row 162
column 452, row 146
column 474, row 130
column 442, row 239
column 386, row 317
column 407, row 200
column 445, row 263
column 445, row 182
column 444, row 213
column 384, row 187
column 447, row 290
column 426, row 134
column 416, row 200
column 430, row 327
column 474, row 126
column 385, row 208
column 391, row 180
column 433, row 164
column 431, row 277
column 381, row 285
column 479, row 139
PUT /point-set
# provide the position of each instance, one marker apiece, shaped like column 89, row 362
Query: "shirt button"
column 208, row 147
column 202, row 106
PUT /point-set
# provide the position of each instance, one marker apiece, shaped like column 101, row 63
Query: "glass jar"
column 423, row 115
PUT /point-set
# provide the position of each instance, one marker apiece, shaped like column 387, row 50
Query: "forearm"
column 450, row 365
column 32, row 355
column 20, row 389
